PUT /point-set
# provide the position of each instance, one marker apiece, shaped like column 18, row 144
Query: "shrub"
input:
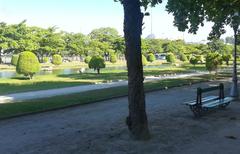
column 144, row 60
column 97, row 62
column 113, row 58
column 193, row 60
column 200, row 59
column 14, row 60
column 45, row 59
column 226, row 58
column 57, row 59
column 213, row 60
column 183, row 57
column 28, row 64
column 151, row 57
column 87, row 59
column 171, row 58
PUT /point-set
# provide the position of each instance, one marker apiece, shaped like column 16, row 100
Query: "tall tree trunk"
column 137, row 119
column 1, row 56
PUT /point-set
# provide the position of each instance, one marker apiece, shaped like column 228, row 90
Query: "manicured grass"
column 57, row 102
column 38, row 83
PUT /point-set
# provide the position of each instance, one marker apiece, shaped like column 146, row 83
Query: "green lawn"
column 42, row 82
column 57, row 102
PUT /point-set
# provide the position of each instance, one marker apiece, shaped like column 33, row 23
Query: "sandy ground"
column 100, row 128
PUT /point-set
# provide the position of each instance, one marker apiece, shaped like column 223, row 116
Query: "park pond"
column 12, row 73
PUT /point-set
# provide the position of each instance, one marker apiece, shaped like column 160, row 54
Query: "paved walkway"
column 99, row 128
column 77, row 89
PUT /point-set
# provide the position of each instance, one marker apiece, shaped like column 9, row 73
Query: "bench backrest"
column 200, row 91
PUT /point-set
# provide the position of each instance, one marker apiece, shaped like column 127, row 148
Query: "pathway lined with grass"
column 16, row 97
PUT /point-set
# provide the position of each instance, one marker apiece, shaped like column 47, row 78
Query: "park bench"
column 202, row 104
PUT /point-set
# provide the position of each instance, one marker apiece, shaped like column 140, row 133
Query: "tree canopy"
column 190, row 14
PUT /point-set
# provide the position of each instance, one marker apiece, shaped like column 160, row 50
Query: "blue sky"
column 85, row 15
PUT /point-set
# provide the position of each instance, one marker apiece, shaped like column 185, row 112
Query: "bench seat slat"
column 205, row 99
column 216, row 103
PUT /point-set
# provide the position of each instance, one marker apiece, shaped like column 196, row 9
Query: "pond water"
column 66, row 71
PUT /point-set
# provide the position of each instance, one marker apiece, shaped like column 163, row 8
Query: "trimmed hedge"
column 28, row 64
column 57, row 59
column 97, row 62
column 171, row 58
column 151, row 57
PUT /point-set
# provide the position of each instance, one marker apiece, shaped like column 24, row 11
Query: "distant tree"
column 28, row 64
column 200, row 58
column 216, row 45
column 75, row 43
column 193, row 60
column 97, row 62
column 213, row 60
column 151, row 57
column 50, row 43
column 183, row 57
column 226, row 58
column 14, row 60
column 229, row 40
column 4, row 45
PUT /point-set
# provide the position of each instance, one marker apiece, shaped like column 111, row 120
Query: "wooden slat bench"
column 202, row 104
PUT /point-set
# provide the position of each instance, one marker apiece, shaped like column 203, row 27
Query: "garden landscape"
column 107, row 91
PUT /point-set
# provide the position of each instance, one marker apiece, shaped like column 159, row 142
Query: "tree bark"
column 137, row 120
column 1, row 56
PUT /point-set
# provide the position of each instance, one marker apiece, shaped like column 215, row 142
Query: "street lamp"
column 235, row 25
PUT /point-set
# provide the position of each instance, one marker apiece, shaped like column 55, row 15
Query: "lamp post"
column 234, row 88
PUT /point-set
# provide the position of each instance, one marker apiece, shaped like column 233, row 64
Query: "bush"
column 171, row 58
column 57, row 59
column 193, row 60
column 213, row 60
column 200, row 59
column 45, row 59
column 151, row 57
column 14, row 60
column 113, row 58
column 28, row 64
column 226, row 58
column 97, row 62
column 183, row 57
column 144, row 60
column 87, row 59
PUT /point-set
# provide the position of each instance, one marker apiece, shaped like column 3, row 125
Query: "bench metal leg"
column 197, row 110
column 223, row 106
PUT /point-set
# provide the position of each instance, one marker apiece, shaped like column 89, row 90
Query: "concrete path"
column 99, row 128
column 77, row 89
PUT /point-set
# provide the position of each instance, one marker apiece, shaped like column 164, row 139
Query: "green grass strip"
column 58, row 102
